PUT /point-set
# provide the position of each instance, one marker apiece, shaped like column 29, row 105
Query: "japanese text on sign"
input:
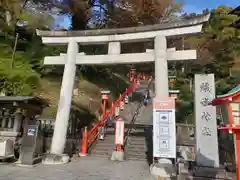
column 205, row 89
column 206, row 126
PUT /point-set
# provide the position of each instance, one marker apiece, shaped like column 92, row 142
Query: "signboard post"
column 119, row 133
column 164, row 128
column 118, row 153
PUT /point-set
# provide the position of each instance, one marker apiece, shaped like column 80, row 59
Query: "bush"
column 19, row 80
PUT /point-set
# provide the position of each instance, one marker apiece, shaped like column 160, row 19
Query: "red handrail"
column 92, row 134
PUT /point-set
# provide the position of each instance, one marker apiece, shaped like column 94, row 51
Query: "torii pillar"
column 164, row 167
column 161, row 67
column 64, row 105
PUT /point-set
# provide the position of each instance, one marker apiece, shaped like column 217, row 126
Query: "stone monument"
column 207, row 153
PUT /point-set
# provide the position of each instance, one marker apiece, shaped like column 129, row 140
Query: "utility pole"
column 14, row 49
column 16, row 37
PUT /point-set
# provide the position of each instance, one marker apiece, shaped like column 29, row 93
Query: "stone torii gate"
column 113, row 37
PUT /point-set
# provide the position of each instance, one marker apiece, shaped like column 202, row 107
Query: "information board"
column 164, row 128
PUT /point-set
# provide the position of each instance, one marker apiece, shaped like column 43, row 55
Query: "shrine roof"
column 164, row 26
column 226, row 97
column 236, row 24
column 236, row 11
column 24, row 99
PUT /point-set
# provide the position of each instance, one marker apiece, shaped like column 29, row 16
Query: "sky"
column 196, row 6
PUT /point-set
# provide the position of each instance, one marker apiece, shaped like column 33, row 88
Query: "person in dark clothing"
column 146, row 97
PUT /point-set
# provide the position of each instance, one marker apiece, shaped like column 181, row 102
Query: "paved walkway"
column 84, row 169
column 88, row 168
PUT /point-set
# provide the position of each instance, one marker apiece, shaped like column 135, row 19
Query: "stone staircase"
column 104, row 148
column 139, row 145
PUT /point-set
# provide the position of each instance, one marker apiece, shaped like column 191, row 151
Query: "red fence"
column 89, row 137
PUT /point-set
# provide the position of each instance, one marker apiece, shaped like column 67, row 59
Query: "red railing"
column 89, row 137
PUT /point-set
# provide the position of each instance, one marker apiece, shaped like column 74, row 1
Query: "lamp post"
column 104, row 97
column 18, row 26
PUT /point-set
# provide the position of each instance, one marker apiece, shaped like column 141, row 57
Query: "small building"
column 229, row 105
column 27, row 106
column 236, row 11
column 15, row 114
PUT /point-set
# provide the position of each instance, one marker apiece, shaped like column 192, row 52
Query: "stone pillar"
column 17, row 122
column 25, row 127
column 161, row 67
column 4, row 122
column 114, row 48
column 164, row 168
column 206, row 122
column 207, row 152
column 64, row 106
column 4, row 119
column 10, row 122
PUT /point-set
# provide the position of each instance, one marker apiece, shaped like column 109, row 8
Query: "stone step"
column 102, row 151
column 137, row 148
column 105, row 142
column 103, row 156
column 104, row 145
column 138, row 133
column 137, row 138
column 136, row 158
column 108, row 136
column 136, row 154
column 136, row 144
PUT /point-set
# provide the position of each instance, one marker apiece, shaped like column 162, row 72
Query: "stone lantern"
column 174, row 93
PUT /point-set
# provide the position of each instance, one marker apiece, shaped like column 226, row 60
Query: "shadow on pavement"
column 149, row 142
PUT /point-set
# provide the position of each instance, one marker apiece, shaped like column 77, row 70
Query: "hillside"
column 236, row 65
column 86, row 94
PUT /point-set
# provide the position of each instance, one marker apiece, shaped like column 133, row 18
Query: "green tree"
column 19, row 80
column 218, row 45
